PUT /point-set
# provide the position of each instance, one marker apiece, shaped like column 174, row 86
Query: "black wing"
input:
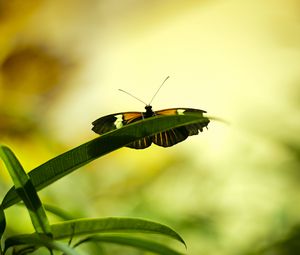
column 177, row 135
column 115, row 121
column 170, row 137
column 118, row 120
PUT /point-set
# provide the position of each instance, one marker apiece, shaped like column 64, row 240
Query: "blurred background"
column 234, row 189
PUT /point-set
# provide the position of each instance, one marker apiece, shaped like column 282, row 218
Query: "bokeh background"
column 234, row 189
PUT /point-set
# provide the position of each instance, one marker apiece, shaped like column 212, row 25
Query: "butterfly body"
column 165, row 139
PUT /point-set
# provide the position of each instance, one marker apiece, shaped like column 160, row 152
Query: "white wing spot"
column 180, row 111
column 119, row 121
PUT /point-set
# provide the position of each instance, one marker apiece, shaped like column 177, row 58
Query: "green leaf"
column 58, row 212
column 104, row 226
column 2, row 226
column 69, row 161
column 135, row 242
column 109, row 225
column 2, row 221
column 26, row 191
column 37, row 240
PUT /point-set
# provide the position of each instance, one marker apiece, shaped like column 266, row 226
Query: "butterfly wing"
column 141, row 143
column 118, row 120
column 115, row 121
column 178, row 111
column 170, row 137
column 179, row 134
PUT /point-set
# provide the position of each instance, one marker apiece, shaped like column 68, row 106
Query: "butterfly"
column 165, row 139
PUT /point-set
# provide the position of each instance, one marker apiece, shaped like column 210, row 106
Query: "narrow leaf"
column 69, row 161
column 2, row 223
column 135, row 242
column 38, row 241
column 58, row 212
column 109, row 225
column 26, row 191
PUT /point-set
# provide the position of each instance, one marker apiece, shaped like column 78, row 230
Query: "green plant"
column 112, row 229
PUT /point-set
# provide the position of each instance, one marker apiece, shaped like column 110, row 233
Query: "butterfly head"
column 149, row 111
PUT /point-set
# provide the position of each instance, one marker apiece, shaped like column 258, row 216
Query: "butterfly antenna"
column 158, row 89
column 132, row 96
